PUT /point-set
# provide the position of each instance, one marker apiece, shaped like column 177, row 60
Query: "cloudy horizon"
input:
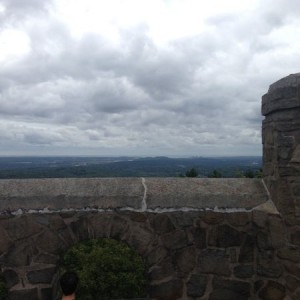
column 141, row 78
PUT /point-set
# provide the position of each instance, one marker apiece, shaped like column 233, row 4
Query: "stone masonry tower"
column 281, row 145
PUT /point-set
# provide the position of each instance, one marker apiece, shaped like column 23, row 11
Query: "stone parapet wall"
column 139, row 194
column 191, row 255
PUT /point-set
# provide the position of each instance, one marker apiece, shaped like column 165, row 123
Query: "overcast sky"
column 141, row 77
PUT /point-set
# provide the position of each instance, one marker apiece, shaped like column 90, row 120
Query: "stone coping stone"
column 223, row 193
column 283, row 94
column 115, row 193
column 70, row 193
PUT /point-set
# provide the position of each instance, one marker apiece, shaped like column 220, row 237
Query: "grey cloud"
column 195, row 92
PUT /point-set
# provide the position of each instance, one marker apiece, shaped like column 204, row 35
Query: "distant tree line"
column 217, row 174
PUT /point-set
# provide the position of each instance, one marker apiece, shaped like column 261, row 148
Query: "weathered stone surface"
column 175, row 240
column 185, row 259
column 228, row 237
column 161, row 271
column 263, row 241
column 205, row 193
column 277, row 231
column 170, row 290
column 292, row 268
column 213, row 218
column 260, row 218
column 21, row 227
column 258, row 285
column 30, row 293
column 119, row 227
column 213, row 261
column 138, row 217
column 100, row 225
column 272, row 291
column 247, row 250
column 156, row 255
column 238, row 218
column 267, row 265
column 295, row 238
column 11, row 278
column 229, row 289
column 292, row 283
column 290, row 253
column 296, row 296
column 243, row 271
column 44, row 275
column 5, row 241
column 47, row 293
column 140, row 238
column 49, row 242
column 61, row 193
column 198, row 237
column 162, row 224
column 20, row 254
column 196, row 285
column 45, row 258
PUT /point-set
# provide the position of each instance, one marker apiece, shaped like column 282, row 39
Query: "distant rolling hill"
column 63, row 167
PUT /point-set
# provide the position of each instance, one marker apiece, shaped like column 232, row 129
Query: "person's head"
column 68, row 282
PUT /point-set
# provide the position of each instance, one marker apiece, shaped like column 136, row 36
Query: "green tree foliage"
column 191, row 173
column 107, row 269
column 215, row 174
column 249, row 173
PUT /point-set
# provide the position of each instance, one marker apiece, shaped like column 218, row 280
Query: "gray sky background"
column 136, row 77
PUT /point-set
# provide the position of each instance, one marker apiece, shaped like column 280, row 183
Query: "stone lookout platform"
column 204, row 239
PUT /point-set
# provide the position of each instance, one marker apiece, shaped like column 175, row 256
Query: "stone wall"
column 191, row 255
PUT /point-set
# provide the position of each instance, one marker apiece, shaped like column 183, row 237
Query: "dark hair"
column 68, row 282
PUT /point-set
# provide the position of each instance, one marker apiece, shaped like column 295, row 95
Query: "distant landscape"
column 79, row 167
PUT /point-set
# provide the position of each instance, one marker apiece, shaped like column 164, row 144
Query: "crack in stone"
column 144, row 201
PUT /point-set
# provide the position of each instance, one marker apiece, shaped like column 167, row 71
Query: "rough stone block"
column 47, row 293
column 197, row 236
column 277, row 231
column 21, row 227
column 11, row 278
column 140, row 238
column 30, row 293
column 272, row 291
column 170, row 290
column 229, row 289
column 163, row 270
column 196, row 285
column 5, row 241
column 156, row 255
column 44, row 275
column 267, row 265
column 243, row 271
column 238, row 218
column 292, row 283
column 212, row 218
column 161, row 223
column 185, row 259
column 214, row 261
column 49, row 242
column 247, row 250
column 295, row 238
column 228, row 237
column 290, row 253
column 175, row 240
column 292, row 268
